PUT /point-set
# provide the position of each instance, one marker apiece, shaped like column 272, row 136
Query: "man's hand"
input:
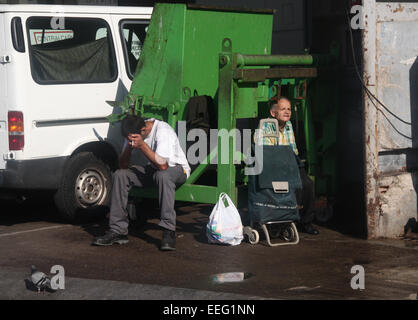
column 135, row 141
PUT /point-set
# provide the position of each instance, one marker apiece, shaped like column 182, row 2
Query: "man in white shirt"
column 167, row 169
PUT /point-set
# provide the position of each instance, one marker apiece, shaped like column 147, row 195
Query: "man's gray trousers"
column 137, row 176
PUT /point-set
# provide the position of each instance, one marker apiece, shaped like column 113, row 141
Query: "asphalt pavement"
column 319, row 267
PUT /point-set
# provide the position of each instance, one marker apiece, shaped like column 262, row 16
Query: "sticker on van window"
column 39, row 36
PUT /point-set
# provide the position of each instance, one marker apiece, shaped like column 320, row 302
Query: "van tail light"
column 16, row 132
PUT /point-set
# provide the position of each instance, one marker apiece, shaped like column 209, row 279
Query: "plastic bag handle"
column 223, row 196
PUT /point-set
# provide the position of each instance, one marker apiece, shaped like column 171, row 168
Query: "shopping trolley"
column 272, row 204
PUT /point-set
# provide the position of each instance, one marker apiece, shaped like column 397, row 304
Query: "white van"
column 58, row 67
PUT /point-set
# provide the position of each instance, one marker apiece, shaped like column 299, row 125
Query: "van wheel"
column 84, row 188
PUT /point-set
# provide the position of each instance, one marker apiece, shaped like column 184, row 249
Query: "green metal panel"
column 204, row 32
column 158, row 77
column 187, row 192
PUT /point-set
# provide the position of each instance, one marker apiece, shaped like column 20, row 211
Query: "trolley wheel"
column 253, row 237
column 288, row 234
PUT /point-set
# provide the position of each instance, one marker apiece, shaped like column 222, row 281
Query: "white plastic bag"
column 224, row 226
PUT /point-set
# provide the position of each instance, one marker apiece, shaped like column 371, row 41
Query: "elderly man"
column 280, row 109
column 167, row 169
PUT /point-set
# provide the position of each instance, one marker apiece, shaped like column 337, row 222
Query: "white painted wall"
column 391, row 73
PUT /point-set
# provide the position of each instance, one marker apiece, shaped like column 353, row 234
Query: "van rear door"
column 4, row 143
column 73, row 72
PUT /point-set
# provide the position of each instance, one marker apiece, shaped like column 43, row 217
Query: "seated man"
column 167, row 169
column 280, row 109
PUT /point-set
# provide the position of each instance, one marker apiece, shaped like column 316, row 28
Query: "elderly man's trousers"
column 306, row 197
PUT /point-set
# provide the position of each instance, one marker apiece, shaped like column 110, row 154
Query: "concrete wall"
column 391, row 73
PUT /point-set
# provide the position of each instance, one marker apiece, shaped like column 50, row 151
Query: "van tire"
column 84, row 191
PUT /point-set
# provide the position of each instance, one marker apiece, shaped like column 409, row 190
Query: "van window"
column 133, row 36
column 81, row 52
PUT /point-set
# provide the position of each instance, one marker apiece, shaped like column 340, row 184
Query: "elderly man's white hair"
column 274, row 102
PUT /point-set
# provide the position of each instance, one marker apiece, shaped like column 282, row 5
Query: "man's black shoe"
column 309, row 228
column 168, row 242
column 110, row 238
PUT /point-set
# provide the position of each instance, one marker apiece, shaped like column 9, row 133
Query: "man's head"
column 280, row 109
column 133, row 124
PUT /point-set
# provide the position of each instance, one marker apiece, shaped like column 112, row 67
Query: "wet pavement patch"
column 231, row 277
column 303, row 288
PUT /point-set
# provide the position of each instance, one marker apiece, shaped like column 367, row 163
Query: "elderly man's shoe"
column 309, row 228
column 168, row 242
